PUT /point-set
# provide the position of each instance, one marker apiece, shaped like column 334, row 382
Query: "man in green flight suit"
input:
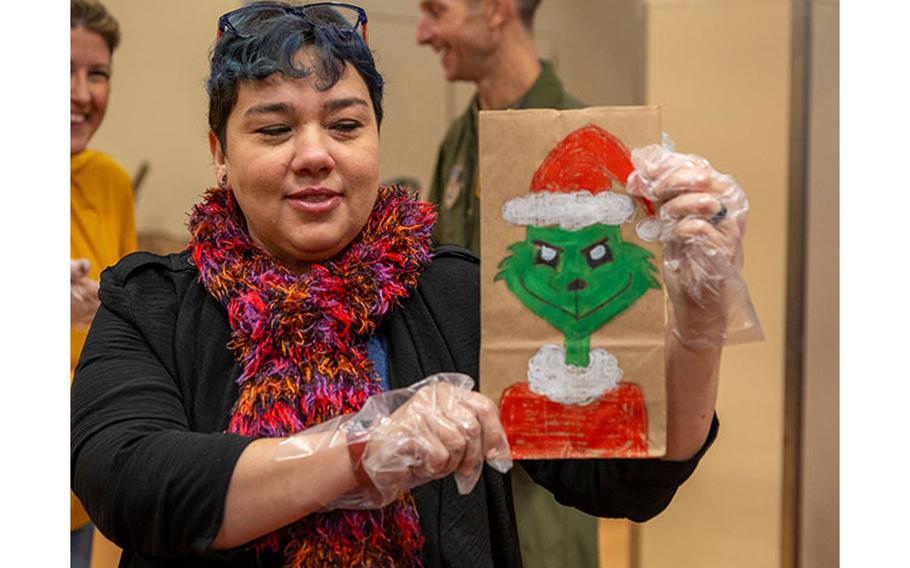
column 490, row 43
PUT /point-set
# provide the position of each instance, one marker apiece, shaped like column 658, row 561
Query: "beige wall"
column 719, row 70
column 157, row 111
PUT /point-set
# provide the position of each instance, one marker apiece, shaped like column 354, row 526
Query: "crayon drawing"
column 575, row 271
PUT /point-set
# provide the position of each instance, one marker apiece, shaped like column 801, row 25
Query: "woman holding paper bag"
column 259, row 399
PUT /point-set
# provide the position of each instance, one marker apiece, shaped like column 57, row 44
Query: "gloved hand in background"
column 84, row 300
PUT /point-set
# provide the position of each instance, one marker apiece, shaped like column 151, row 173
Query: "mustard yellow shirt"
column 103, row 230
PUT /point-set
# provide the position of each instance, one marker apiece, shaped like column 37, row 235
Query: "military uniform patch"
column 453, row 187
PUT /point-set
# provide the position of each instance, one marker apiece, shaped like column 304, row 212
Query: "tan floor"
column 613, row 540
column 615, row 543
column 105, row 554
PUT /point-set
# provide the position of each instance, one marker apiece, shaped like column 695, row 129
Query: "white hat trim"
column 571, row 211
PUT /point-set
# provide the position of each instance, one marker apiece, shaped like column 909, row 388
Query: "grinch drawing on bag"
column 575, row 271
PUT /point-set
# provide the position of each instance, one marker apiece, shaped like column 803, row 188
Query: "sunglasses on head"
column 344, row 17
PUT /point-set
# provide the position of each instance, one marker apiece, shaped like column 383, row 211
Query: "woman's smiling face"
column 302, row 163
column 90, row 85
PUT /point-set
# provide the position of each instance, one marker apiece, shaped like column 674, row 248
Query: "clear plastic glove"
column 84, row 300
column 406, row 437
column 703, row 219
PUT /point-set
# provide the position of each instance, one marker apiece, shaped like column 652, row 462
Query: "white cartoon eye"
column 547, row 254
column 598, row 254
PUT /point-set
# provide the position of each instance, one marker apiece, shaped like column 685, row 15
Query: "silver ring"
column 719, row 216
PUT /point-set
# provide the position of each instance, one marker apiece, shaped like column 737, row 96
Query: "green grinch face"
column 577, row 280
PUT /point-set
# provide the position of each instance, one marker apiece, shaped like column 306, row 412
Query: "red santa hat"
column 574, row 187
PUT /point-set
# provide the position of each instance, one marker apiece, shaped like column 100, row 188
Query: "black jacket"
column 154, row 389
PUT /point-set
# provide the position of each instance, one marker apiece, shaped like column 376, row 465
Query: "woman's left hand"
column 703, row 218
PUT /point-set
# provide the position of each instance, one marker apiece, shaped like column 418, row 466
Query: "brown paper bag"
column 572, row 300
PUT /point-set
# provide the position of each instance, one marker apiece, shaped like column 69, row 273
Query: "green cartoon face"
column 577, row 280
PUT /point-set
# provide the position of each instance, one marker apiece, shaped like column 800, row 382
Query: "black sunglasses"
column 345, row 17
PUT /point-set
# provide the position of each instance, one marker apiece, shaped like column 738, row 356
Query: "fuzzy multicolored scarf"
column 301, row 340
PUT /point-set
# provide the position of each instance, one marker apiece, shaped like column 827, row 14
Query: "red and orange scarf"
column 301, row 341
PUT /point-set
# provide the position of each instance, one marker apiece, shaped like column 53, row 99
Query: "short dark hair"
column 276, row 39
column 93, row 16
column 526, row 11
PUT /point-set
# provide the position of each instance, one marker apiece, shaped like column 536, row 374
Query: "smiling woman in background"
column 259, row 399
column 102, row 228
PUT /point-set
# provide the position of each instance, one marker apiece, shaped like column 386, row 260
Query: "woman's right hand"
column 443, row 428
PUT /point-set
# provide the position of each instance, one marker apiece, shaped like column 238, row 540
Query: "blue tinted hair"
column 274, row 40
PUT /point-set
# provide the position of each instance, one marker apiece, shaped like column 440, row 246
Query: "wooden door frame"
column 794, row 364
